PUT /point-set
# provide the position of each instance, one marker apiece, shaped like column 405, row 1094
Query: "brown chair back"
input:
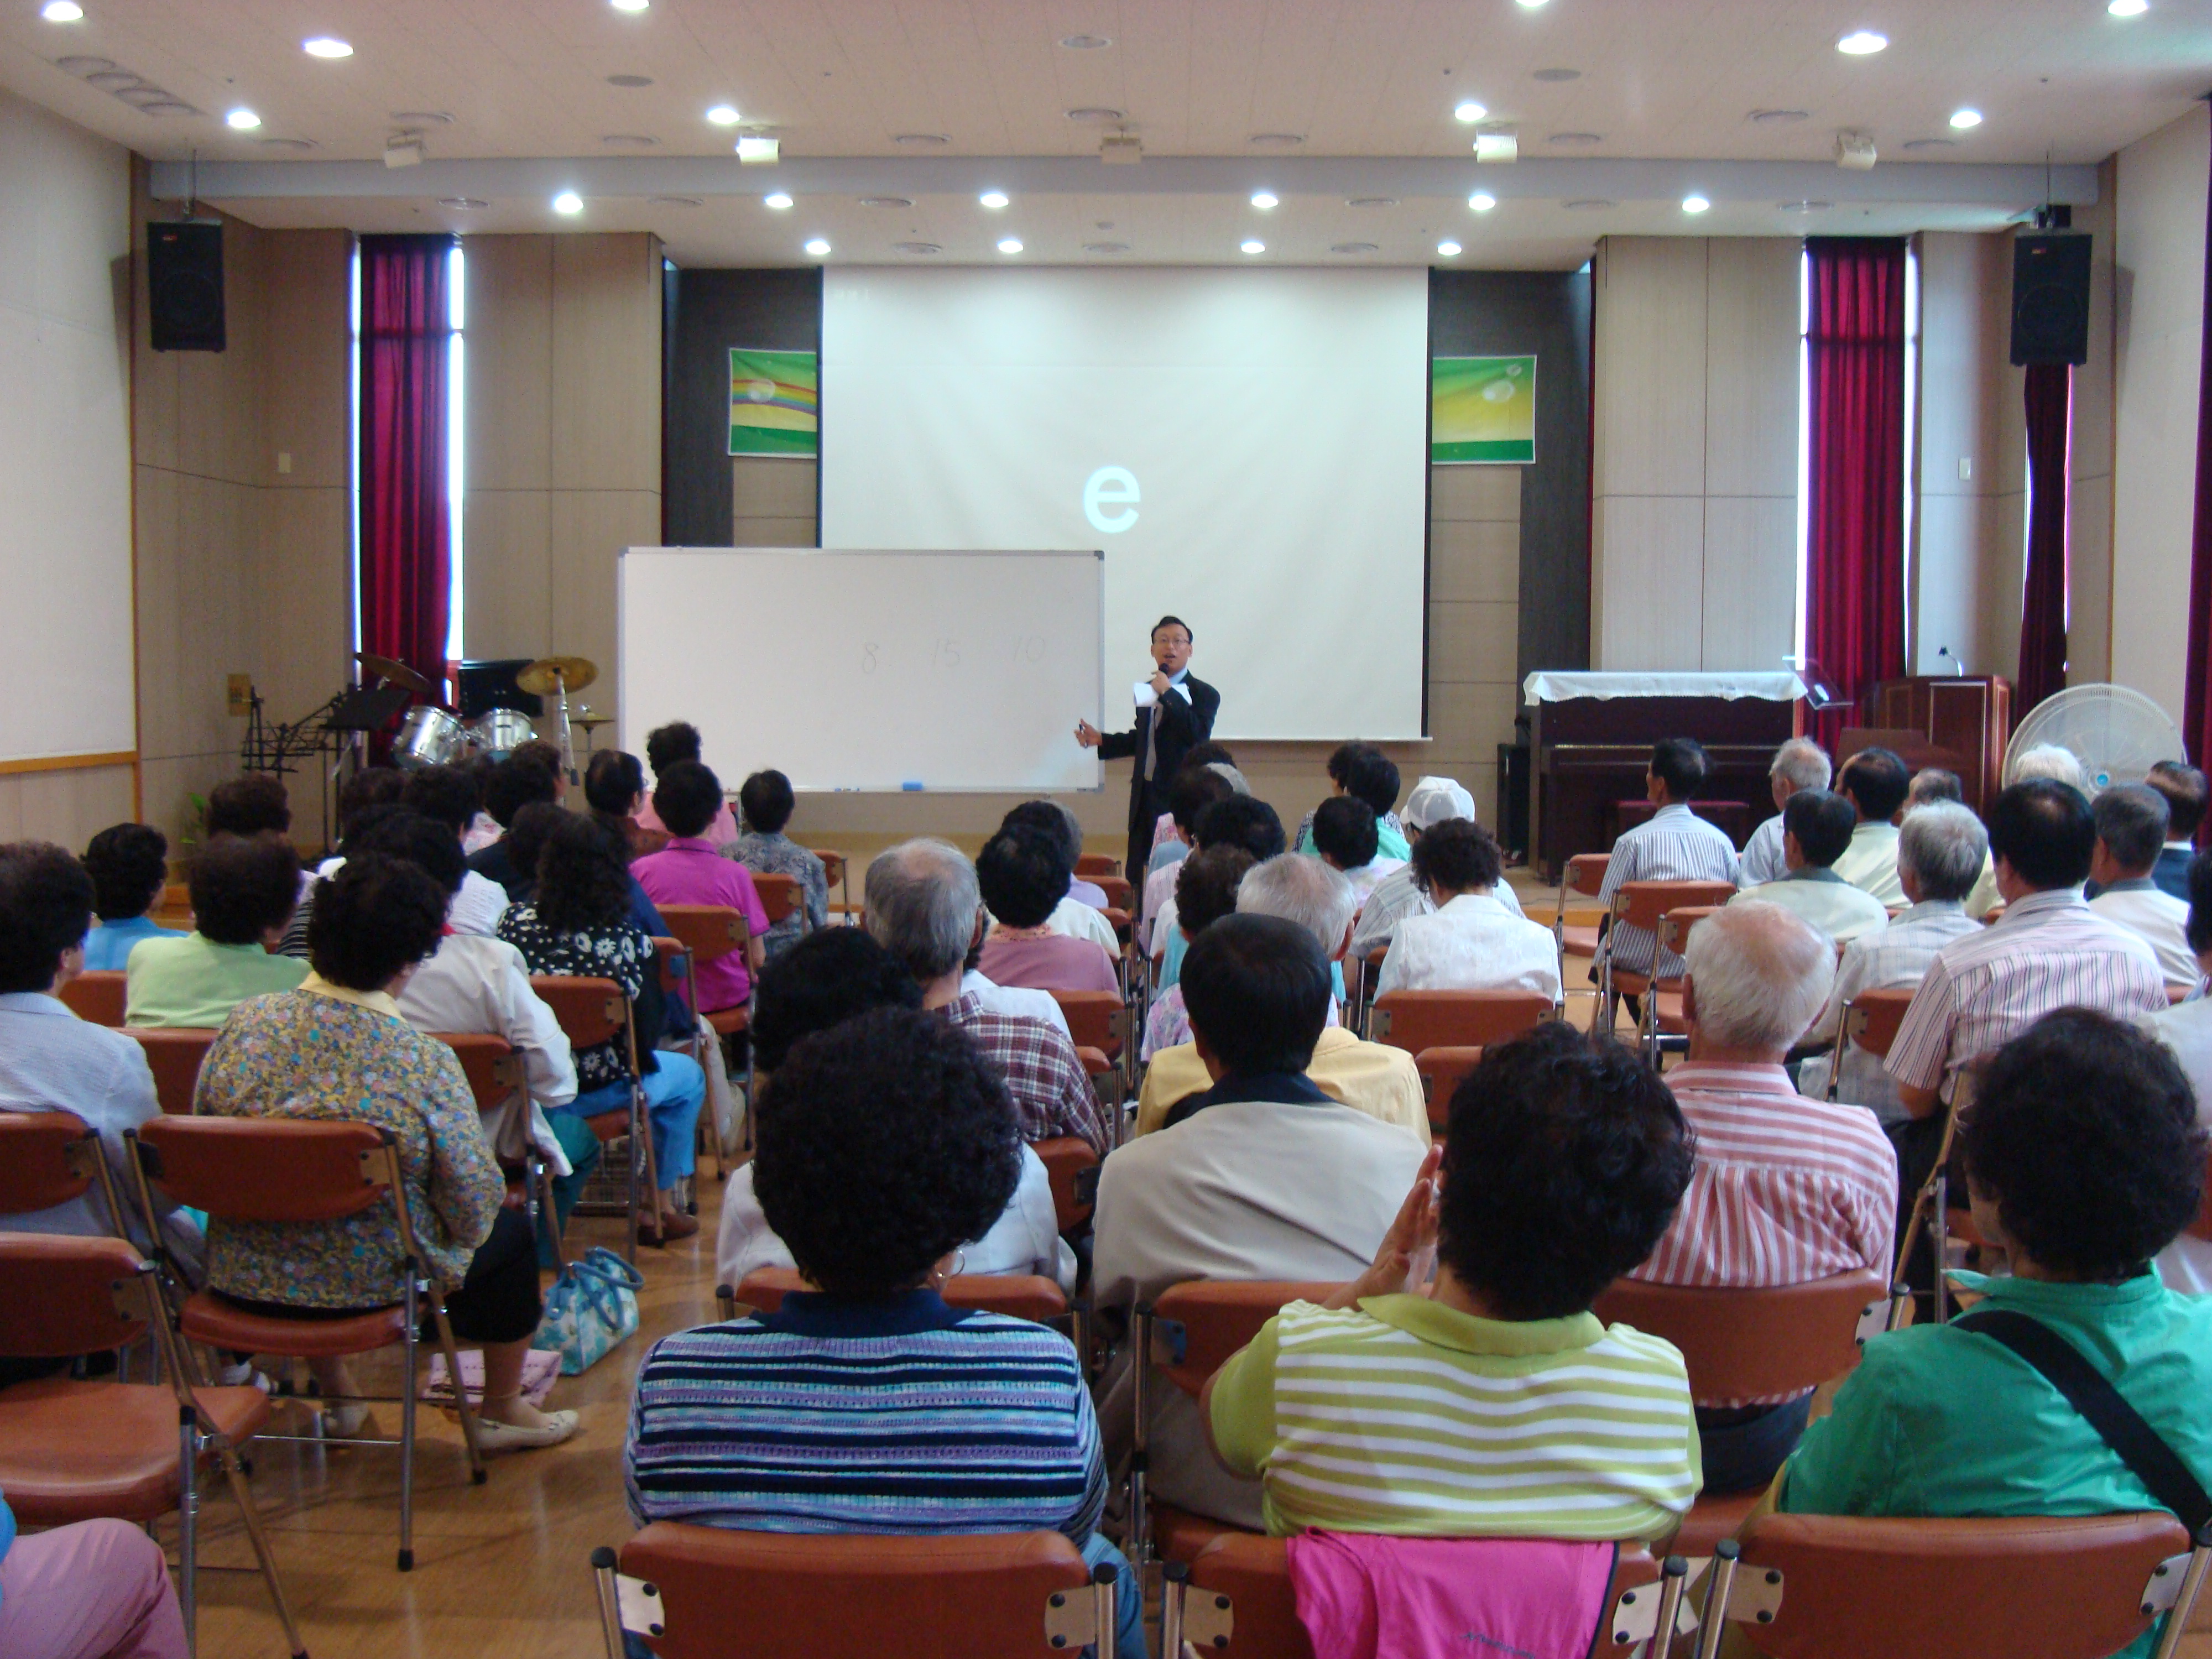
column 1414, row 1020
column 1019, row 1296
column 709, row 932
column 96, row 996
column 848, row 1595
column 1746, row 1344
column 1065, row 1158
column 46, row 1159
column 1092, row 866
column 174, row 1055
column 2201, row 1227
column 778, row 895
column 1215, row 1317
column 2034, row 1588
column 257, row 1168
column 1120, row 895
column 1642, row 904
column 494, row 1069
column 1442, row 1070
column 833, row 865
column 1674, row 927
column 1874, row 1017
column 1096, row 1019
column 591, row 1010
column 1584, row 874
column 675, row 968
column 60, row 1295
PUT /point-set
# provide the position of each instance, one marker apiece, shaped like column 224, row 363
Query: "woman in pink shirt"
column 666, row 746
column 1023, row 873
column 690, row 871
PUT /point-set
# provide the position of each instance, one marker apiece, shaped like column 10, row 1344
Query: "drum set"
column 429, row 736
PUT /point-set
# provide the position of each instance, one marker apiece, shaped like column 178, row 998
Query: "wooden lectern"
column 1961, row 723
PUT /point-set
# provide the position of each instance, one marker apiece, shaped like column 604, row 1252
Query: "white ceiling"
column 1351, row 78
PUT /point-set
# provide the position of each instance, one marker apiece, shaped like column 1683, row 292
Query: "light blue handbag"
column 592, row 1307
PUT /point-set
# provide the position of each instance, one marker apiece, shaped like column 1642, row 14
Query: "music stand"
column 365, row 709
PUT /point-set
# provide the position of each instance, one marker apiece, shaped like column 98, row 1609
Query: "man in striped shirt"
column 1787, row 1190
column 1491, row 1402
column 1673, row 844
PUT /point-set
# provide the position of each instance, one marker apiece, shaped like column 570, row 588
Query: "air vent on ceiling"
column 422, row 118
column 1777, row 117
column 294, row 145
column 1804, row 207
column 1577, row 140
column 1370, row 201
column 629, row 140
column 1096, row 114
column 921, row 249
column 1353, row 247
column 463, row 203
column 629, row 79
column 1588, row 205
column 128, row 88
column 886, row 201
column 1558, row 75
column 920, row 140
column 675, row 201
column 1106, row 247
column 1085, row 42
column 1276, row 140
column 1929, row 144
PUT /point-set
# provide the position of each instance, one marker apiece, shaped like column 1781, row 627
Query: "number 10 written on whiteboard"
column 945, row 652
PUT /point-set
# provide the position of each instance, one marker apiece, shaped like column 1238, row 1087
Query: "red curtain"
column 2196, row 708
column 1855, row 578
column 405, row 559
column 2042, row 600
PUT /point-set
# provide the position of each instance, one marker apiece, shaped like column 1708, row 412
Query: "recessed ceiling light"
column 242, row 120
column 1862, row 43
column 920, row 140
column 2129, row 8
column 757, row 151
column 918, row 248
column 1695, row 204
column 1558, row 75
column 326, row 46
column 992, row 199
column 1963, row 119
column 1482, row 200
column 1253, row 244
column 62, row 11
column 1770, row 118
column 1085, row 42
column 630, row 5
column 568, row 202
column 776, row 199
column 1532, row 5
column 631, row 80
column 463, row 203
column 818, row 248
column 1277, row 140
column 1263, row 199
column 1583, row 139
column 1450, row 250
column 724, row 115
column 1468, row 111
column 1010, row 244
column 1353, row 247
column 1096, row 113
column 1106, row 247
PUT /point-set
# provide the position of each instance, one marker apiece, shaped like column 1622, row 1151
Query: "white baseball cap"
column 1434, row 801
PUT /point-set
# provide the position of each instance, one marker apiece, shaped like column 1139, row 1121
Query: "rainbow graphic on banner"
column 775, row 402
column 1482, row 409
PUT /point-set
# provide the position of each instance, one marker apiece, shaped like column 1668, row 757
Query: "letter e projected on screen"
column 1111, row 487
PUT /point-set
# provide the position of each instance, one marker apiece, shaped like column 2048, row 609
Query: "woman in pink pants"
column 97, row 1590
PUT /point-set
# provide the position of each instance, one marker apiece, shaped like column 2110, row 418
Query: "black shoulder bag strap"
column 2121, row 1425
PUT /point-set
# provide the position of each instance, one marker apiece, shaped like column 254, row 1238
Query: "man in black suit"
column 1181, row 718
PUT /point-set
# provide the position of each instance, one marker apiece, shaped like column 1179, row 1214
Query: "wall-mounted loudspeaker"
column 184, row 283
column 2050, row 298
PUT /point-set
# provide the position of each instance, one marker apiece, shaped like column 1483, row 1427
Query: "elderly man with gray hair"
column 2131, row 820
column 1786, row 1189
column 1940, row 854
column 923, row 905
column 1399, row 894
column 1371, row 1077
column 1800, row 763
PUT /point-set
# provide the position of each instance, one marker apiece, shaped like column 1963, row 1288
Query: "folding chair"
column 1870, row 1022
column 1584, row 877
column 109, row 1449
column 1234, row 1600
column 1442, row 1070
column 1360, row 989
column 1931, row 1205
column 1093, row 865
column 1188, row 1331
column 49, row 1158
column 837, row 871
column 780, row 896
column 1018, row 1295
column 496, row 1078
column 845, row 1595
column 592, row 1012
column 1119, row 895
column 1838, row 1587
column 174, row 1055
column 1643, row 904
column 1100, row 1020
column 1749, row 1345
column 1663, row 1026
column 709, row 932
column 1414, row 1020
column 1115, row 1091
column 244, row 1170
column 96, row 996
column 1067, row 1161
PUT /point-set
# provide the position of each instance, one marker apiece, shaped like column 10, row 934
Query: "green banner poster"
column 1482, row 409
column 774, row 407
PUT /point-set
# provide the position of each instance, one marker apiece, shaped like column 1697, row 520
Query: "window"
column 456, row 382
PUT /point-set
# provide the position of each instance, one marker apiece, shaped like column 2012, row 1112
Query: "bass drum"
column 502, row 732
column 428, row 737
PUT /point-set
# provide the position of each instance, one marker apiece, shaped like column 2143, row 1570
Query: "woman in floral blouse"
column 338, row 1048
column 577, row 924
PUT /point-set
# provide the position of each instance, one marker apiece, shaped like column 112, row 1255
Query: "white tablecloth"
column 1770, row 685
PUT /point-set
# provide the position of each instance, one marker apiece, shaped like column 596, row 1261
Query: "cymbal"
column 591, row 722
column 546, row 676
column 397, row 672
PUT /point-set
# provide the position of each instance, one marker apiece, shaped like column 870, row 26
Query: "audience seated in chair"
column 243, row 892
column 690, row 871
column 664, row 746
column 1344, row 837
column 1168, row 848
column 1786, row 1190
column 2184, row 791
column 578, row 924
column 1816, row 830
column 1372, row 1077
column 511, row 788
column 885, row 1142
column 2131, row 831
column 1876, row 782
column 1078, row 909
column 128, row 865
column 614, row 790
column 363, row 799
column 451, row 795
column 1468, row 941
column 1265, row 1176
column 1488, row 1402
column 52, row 1060
column 1367, row 774
column 2083, row 1158
column 766, row 801
column 1397, row 895
column 337, row 1048
column 1205, row 891
column 1932, row 786
column 1800, row 763
column 1243, row 820
column 1024, row 874
column 1196, row 787
column 821, row 981
column 99, row 1590
column 2186, row 1030
column 923, row 905
column 1940, row 853
column 1673, row 844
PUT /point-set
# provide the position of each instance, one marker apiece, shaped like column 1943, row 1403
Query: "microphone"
column 1958, row 668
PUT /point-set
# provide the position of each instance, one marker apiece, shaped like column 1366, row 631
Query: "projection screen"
column 1247, row 446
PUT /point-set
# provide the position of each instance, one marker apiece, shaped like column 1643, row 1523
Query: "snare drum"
column 428, row 737
column 502, row 732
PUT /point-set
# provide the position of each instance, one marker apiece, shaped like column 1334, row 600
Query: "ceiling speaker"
column 2050, row 298
column 184, row 285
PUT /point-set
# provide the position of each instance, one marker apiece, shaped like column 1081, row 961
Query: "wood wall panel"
column 509, row 323
column 1750, row 602
column 507, row 576
column 308, row 334
column 1652, row 320
column 606, row 393
column 1475, row 559
column 771, row 487
column 1752, row 307
column 1649, row 609
column 67, row 808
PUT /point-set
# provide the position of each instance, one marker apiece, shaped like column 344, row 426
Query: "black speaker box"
column 184, row 285
column 2050, row 298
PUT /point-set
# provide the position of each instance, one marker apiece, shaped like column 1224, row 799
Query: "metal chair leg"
column 465, row 1412
column 260, row 1536
column 549, row 1213
column 1103, row 1584
column 2192, row 1584
column 407, row 1430
column 605, row 1564
column 1939, row 1233
column 188, row 1500
column 1720, row 1583
column 1673, row 1578
column 1140, row 1531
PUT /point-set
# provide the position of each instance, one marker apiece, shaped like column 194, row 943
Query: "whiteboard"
column 867, row 670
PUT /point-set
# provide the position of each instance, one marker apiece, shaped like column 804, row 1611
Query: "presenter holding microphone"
column 1175, row 715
